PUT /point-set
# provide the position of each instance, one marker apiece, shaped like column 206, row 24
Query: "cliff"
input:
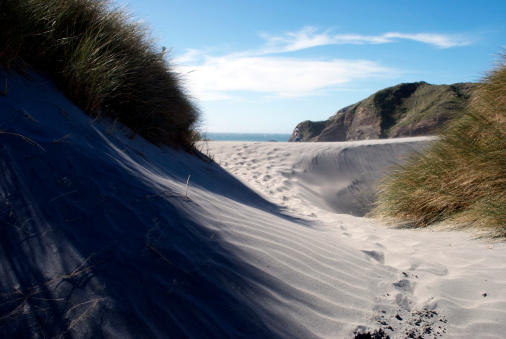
column 408, row 109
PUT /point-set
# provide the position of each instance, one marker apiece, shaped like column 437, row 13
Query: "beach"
column 110, row 236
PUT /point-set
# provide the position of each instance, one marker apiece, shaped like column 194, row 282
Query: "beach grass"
column 462, row 177
column 103, row 61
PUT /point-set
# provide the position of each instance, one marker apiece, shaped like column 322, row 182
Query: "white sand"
column 100, row 240
column 460, row 279
column 338, row 177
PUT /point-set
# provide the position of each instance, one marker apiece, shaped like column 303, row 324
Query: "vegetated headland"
column 404, row 110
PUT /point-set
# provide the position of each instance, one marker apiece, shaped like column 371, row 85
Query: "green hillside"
column 409, row 109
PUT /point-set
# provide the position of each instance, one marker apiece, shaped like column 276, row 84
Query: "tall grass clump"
column 103, row 61
column 460, row 178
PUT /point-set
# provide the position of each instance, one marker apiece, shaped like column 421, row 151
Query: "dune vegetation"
column 462, row 177
column 103, row 61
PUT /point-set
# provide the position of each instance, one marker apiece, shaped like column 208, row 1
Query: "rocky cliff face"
column 410, row 109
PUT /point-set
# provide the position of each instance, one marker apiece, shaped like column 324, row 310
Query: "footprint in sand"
column 287, row 183
column 376, row 255
column 403, row 301
column 404, row 285
column 287, row 173
column 430, row 267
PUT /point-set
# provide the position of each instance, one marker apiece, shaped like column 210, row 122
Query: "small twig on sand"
column 154, row 195
column 187, row 181
column 136, row 150
column 28, row 140
column 165, row 259
column 29, row 117
column 62, row 138
column 61, row 195
column 112, row 128
column 82, row 316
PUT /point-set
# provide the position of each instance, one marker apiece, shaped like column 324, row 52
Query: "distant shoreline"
column 262, row 137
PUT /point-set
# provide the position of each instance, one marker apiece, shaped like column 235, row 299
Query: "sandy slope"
column 338, row 177
column 442, row 281
column 101, row 238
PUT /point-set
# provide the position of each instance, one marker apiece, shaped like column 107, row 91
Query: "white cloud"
column 217, row 77
column 210, row 77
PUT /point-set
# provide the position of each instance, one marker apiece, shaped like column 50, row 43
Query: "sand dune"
column 102, row 238
column 338, row 177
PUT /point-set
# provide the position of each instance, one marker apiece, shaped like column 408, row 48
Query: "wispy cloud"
column 437, row 40
column 262, row 70
column 310, row 37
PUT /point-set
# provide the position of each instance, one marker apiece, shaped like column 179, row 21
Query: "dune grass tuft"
column 103, row 61
column 462, row 177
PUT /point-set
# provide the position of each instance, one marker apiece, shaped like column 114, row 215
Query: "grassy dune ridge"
column 103, row 61
column 462, row 177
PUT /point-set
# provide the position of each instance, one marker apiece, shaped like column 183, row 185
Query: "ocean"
column 247, row 137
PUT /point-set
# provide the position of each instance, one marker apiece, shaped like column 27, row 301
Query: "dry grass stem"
column 187, row 182
column 61, row 139
column 28, row 140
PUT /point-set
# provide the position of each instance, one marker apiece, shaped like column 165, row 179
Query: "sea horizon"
column 262, row 137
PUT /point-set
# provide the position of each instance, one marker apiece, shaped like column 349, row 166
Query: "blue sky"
column 263, row 66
